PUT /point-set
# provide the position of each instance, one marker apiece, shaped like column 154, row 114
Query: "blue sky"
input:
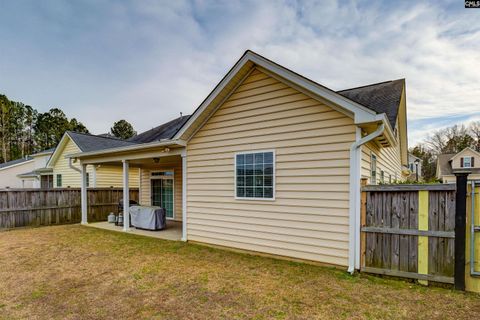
column 147, row 61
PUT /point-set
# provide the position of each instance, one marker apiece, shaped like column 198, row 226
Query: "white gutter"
column 355, row 168
column 133, row 147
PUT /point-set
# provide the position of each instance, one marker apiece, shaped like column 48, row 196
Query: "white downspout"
column 354, row 207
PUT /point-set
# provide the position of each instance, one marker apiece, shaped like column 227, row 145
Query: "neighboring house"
column 26, row 172
column 271, row 162
column 66, row 173
column 415, row 167
column 466, row 160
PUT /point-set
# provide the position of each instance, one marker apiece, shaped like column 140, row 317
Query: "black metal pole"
column 460, row 230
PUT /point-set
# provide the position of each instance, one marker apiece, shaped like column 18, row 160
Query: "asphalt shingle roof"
column 163, row 131
column 13, row 162
column 381, row 97
column 444, row 163
column 89, row 142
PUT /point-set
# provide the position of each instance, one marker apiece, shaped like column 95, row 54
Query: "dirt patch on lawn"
column 75, row 272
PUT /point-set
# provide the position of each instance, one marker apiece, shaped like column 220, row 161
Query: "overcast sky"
column 147, row 61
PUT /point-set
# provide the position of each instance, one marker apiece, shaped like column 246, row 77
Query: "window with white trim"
column 255, row 175
column 467, row 162
column 373, row 169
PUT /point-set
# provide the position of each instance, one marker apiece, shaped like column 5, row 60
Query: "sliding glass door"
column 163, row 191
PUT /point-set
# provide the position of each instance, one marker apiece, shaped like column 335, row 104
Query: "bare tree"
column 475, row 132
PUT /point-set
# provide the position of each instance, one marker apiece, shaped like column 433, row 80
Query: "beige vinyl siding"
column 309, row 217
column 107, row 176
column 70, row 177
column 9, row 179
column 112, row 176
column 388, row 160
column 145, row 186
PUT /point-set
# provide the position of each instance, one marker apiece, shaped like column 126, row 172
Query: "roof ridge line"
column 370, row 85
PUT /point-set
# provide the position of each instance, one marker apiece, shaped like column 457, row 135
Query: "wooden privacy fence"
column 42, row 207
column 409, row 231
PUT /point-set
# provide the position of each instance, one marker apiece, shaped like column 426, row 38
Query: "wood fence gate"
column 409, row 231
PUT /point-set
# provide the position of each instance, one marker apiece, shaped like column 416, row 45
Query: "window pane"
column 268, row 193
column 249, row 181
column 240, row 181
column 268, row 181
column 249, row 169
column 259, row 169
column 258, row 192
column 240, row 192
column 240, row 159
column 240, row 170
column 259, row 181
column 258, row 157
column 268, row 168
column 249, row 158
column 249, row 193
column 268, row 157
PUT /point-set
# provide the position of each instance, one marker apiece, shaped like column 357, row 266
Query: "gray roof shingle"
column 383, row 97
column 13, row 162
column 443, row 161
column 88, row 142
column 163, row 131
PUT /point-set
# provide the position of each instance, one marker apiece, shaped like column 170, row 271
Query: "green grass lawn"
column 75, row 272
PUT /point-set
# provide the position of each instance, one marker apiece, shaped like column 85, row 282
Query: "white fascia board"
column 59, row 148
column 230, row 75
column 459, row 153
column 134, row 147
column 361, row 113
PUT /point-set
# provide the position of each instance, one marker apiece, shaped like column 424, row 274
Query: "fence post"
column 460, row 229
column 423, row 240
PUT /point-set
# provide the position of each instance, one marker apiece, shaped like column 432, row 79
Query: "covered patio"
column 162, row 183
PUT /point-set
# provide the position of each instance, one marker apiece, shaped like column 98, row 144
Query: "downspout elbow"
column 70, row 164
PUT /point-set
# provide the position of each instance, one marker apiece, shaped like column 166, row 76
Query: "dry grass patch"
column 74, row 272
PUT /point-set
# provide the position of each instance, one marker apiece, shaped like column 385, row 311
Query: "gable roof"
column 164, row 131
column 383, row 97
column 88, row 142
column 461, row 152
column 251, row 60
column 15, row 162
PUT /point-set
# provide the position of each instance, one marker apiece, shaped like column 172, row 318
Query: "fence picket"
column 41, row 207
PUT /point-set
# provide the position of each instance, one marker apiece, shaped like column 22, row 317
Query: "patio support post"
column 184, row 196
column 83, row 194
column 126, row 197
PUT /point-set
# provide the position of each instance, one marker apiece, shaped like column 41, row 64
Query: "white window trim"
column 274, row 179
column 469, row 164
column 173, row 186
